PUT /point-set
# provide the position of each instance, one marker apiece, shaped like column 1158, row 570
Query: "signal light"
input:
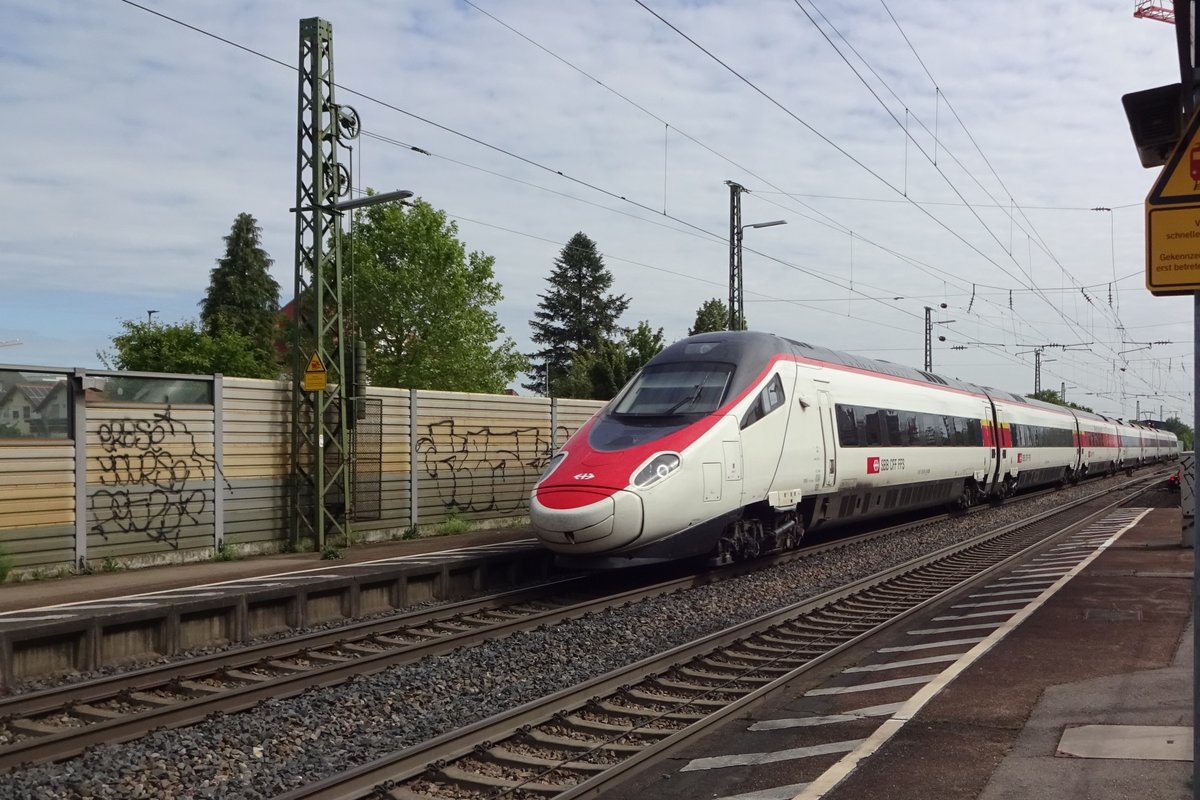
column 1156, row 122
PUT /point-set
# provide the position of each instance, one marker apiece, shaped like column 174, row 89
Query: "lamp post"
column 737, row 319
column 150, row 312
column 737, row 297
column 929, row 323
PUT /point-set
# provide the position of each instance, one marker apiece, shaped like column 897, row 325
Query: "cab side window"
column 769, row 399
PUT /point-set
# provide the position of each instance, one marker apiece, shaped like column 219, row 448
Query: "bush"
column 228, row 552
column 453, row 524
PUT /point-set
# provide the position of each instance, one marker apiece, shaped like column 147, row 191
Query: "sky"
column 921, row 152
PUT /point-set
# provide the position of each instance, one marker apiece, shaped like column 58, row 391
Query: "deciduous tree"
column 184, row 348
column 423, row 304
column 713, row 315
column 599, row 372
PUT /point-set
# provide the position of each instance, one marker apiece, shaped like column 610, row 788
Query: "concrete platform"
column 1113, row 649
column 90, row 621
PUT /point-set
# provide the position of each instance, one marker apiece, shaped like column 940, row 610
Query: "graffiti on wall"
column 150, row 470
column 475, row 468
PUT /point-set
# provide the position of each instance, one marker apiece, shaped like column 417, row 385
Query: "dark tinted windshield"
column 667, row 389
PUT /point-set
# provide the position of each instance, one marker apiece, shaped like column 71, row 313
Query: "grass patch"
column 453, row 524
column 228, row 552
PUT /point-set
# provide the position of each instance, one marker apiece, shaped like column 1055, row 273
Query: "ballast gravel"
column 283, row 744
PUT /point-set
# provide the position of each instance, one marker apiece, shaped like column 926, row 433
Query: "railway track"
column 579, row 741
column 58, row 723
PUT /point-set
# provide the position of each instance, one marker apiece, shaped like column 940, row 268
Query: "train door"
column 828, row 432
column 764, row 430
column 991, row 442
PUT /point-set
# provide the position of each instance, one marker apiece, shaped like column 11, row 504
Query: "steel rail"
column 817, row 629
column 234, row 680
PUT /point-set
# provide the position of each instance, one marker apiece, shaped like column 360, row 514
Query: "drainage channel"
column 579, row 741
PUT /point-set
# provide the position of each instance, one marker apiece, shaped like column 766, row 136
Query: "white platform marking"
column 776, row 793
column 911, row 662
column 976, row 615
column 1005, row 592
column 313, row 572
column 846, row 765
column 990, row 603
column 869, row 687
column 929, row 645
column 751, row 759
column 807, row 722
column 955, row 629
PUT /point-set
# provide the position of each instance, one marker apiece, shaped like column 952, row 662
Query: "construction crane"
column 1155, row 9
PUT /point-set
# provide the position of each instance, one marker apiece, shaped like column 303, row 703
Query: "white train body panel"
column 732, row 438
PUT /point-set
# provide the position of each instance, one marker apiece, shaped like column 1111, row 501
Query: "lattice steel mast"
column 737, row 308
column 319, row 484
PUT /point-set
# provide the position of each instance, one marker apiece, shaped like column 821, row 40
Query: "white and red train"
column 732, row 444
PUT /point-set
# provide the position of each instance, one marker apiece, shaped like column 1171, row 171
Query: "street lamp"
column 150, row 312
column 929, row 323
column 737, row 297
column 373, row 200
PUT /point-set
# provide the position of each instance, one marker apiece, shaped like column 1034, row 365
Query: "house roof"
column 36, row 394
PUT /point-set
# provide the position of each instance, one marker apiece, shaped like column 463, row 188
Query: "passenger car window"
column 769, row 399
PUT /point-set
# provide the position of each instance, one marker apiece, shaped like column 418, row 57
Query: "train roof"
column 758, row 348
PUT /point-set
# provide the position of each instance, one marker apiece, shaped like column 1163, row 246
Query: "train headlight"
column 656, row 469
column 552, row 465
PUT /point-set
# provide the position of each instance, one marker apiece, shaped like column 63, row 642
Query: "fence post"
column 553, row 426
column 218, row 389
column 412, row 459
column 79, row 434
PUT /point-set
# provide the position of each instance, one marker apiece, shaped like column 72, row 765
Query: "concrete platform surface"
column 1113, row 648
column 102, row 585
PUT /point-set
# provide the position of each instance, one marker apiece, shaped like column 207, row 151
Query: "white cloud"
column 138, row 141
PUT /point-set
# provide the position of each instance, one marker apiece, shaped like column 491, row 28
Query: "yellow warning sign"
column 1173, row 220
column 315, row 376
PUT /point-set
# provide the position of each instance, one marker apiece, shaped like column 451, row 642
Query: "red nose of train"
column 585, row 520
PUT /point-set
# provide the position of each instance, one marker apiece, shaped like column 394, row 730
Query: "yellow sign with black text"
column 315, row 376
column 1173, row 220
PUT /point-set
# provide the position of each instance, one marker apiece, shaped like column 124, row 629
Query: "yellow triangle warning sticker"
column 1179, row 181
column 315, row 365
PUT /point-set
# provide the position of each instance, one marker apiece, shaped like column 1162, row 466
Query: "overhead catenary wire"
column 698, row 230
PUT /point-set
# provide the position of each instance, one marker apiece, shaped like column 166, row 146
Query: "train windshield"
column 665, row 390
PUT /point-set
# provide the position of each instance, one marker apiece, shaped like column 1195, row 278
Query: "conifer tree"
column 577, row 314
column 242, row 296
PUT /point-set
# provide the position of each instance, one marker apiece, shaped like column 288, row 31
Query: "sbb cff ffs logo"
column 876, row 464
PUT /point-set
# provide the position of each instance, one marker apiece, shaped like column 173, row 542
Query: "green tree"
column 1186, row 435
column 713, row 315
column 600, row 372
column 642, row 344
column 423, row 304
column 1051, row 396
column 184, row 348
column 577, row 314
column 242, row 297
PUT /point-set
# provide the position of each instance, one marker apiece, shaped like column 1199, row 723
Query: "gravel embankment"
column 283, row 744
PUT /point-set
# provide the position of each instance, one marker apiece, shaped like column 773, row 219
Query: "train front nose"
column 581, row 521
